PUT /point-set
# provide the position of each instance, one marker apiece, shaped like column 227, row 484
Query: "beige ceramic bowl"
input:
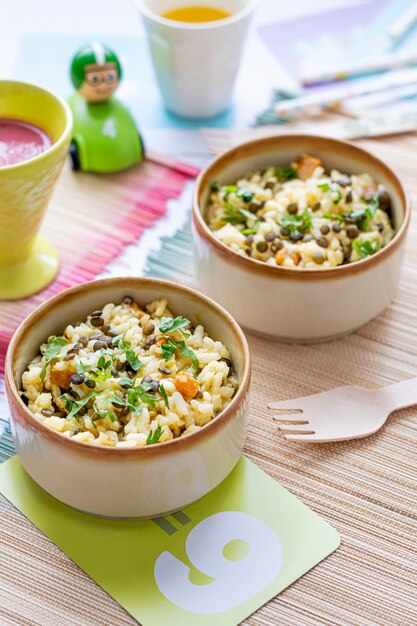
column 137, row 482
column 290, row 304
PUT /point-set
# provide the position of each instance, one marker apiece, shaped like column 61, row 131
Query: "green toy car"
column 105, row 137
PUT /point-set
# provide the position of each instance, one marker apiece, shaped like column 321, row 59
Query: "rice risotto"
column 129, row 377
column 300, row 216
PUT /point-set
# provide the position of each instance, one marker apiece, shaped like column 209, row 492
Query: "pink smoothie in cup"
column 20, row 141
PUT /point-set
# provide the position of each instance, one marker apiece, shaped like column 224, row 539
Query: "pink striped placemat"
column 92, row 218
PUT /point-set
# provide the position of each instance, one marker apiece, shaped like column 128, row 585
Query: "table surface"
column 365, row 488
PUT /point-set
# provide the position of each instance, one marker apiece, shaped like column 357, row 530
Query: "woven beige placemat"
column 365, row 488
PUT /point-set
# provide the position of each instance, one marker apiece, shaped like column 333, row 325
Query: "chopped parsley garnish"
column 323, row 186
column 234, row 215
column 339, row 196
column 125, row 381
column 99, row 373
column 73, row 406
column 169, row 324
column 366, row 248
column 133, row 360
column 187, row 353
column 53, row 350
column 297, row 223
column 285, row 173
column 131, row 356
column 103, row 414
column 333, row 189
column 247, row 196
column 372, row 207
column 134, row 394
column 214, row 185
column 334, row 216
column 118, row 401
column 360, row 217
column 251, row 231
column 154, row 436
column 228, row 189
column 81, row 367
column 164, row 395
column 169, row 348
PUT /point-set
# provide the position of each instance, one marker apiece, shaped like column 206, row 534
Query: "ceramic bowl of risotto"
column 128, row 396
column 300, row 237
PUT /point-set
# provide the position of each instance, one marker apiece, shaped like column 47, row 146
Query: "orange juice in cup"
column 196, row 51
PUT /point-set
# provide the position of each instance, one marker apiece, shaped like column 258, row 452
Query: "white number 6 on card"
column 235, row 581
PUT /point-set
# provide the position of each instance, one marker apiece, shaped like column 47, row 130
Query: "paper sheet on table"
column 221, row 558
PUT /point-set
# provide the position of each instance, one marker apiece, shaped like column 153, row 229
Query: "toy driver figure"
column 96, row 72
column 105, row 137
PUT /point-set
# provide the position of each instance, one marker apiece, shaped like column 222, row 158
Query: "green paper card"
column 223, row 557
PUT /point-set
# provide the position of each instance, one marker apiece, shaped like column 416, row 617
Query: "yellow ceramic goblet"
column 28, row 262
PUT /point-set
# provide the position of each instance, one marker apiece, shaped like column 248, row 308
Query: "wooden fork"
column 343, row 413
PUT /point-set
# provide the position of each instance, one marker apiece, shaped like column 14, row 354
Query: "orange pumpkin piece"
column 306, row 166
column 137, row 309
column 280, row 256
column 296, row 257
column 161, row 339
column 186, row 384
column 62, row 378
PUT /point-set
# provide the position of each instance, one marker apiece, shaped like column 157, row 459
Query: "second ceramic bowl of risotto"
column 324, row 297
column 141, row 477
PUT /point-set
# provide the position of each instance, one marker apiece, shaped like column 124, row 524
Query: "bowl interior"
column 279, row 151
column 74, row 305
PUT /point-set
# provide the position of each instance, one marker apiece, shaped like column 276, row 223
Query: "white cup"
column 196, row 62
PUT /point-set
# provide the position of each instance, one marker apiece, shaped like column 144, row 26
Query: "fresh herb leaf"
column 118, row 401
column 73, row 406
column 164, row 394
column 103, row 414
column 131, row 356
column 332, row 188
column 339, row 195
column 285, row 173
column 214, row 185
column 188, row 353
column 228, row 189
column 125, row 381
column 154, row 436
column 248, row 215
column 237, row 216
column 251, row 231
column 334, row 216
column 168, row 349
column 134, row 394
column 323, row 186
column 366, row 248
column 247, row 196
column 133, row 360
column 360, row 217
column 372, row 207
column 169, row 324
column 81, row 367
column 53, row 350
column 116, row 340
column 297, row 223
